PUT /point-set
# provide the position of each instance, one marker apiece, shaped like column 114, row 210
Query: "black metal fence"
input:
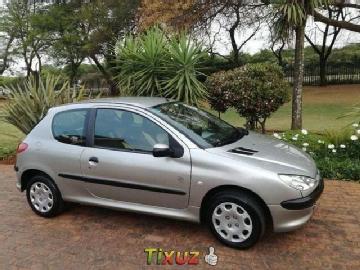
column 334, row 75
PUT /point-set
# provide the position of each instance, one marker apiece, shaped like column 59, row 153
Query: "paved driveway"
column 94, row 238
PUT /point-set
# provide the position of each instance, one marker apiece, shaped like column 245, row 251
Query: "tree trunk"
column 296, row 121
column 113, row 87
column 281, row 61
column 74, row 69
column 262, row 124
column 322, row 65
column 250, row 124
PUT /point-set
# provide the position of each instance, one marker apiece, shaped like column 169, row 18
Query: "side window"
column 69, row 127
column 118, row 129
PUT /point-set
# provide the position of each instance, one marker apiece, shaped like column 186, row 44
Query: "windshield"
column 201, row 127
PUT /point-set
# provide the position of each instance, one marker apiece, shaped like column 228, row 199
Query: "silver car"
column 166, row 158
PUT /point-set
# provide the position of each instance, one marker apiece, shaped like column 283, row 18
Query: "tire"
column 236, row 219
column 44, row 197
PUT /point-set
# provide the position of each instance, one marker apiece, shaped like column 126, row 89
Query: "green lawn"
column 10, row 136
column 322, row 107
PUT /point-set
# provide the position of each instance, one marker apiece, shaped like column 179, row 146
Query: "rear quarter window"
column 69, row 126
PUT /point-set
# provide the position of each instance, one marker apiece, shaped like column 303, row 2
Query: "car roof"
column 143, row 102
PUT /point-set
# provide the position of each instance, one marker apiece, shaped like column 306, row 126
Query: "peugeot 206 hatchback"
column 166, row 158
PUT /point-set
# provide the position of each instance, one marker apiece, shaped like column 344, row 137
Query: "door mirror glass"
column 162, row 150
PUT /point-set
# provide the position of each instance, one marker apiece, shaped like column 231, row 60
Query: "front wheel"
column 236, row 219
column 44, row 197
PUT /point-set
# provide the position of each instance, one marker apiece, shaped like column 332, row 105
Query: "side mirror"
column 162, row 150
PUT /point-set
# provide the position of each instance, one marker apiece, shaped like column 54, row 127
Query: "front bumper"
column 307, row 201
column 292, row 214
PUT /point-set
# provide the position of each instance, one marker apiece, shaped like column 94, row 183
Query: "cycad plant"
column 184, row 63
column 154, row 64
column 30, row 101
column 141, row 63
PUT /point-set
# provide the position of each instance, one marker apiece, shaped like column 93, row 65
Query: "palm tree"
column 292, row 15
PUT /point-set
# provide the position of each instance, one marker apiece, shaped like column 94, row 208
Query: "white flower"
column 277, row 136
column 358, row 131
column 304, row 149
column 355, row 125
column 320, row 141
column 354, row 138
column 342, row 146
column 305, row 144
column 331, row 146
column 294, row 138
column 334, row 150
column 304, row 131
column 296, row 135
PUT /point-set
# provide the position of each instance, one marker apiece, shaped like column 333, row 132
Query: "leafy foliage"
column 336, row 153
column 294, row 13
column 30, row 101
column 69, row 32
column 141, row 61
column 339, row 168
column 255, row 91
column 153, row 64
column 220, row 98
column 183, row 63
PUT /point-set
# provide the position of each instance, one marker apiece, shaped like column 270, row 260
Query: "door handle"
column 93, row 161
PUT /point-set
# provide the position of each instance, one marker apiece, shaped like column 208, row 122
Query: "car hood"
column 270, row 151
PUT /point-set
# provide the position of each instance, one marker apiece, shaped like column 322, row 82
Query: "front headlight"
column 298, row 182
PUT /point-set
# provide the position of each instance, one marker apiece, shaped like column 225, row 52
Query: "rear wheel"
column 44, row 197
column 236, row 219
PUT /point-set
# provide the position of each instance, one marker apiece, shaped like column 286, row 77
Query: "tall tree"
column 103, row 23
column 6, row 39
column 205, row 19
column 28, row 39
column 240, row 24
column 329, row 36
column 293, row 15
column 352, row 24
column 68, row 38
column 278, row 42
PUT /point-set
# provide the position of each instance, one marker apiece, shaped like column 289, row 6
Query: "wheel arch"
column 212, row 192
column 30, row 173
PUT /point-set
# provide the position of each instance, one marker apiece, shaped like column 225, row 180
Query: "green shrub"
column 254, row 90
column 29, row 101
column 339, row 168
column 220, row 98
column 152, row 64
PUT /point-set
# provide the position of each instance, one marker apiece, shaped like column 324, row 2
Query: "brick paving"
column 94, row 238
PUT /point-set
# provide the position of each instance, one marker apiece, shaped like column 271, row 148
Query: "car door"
column 120, row 165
